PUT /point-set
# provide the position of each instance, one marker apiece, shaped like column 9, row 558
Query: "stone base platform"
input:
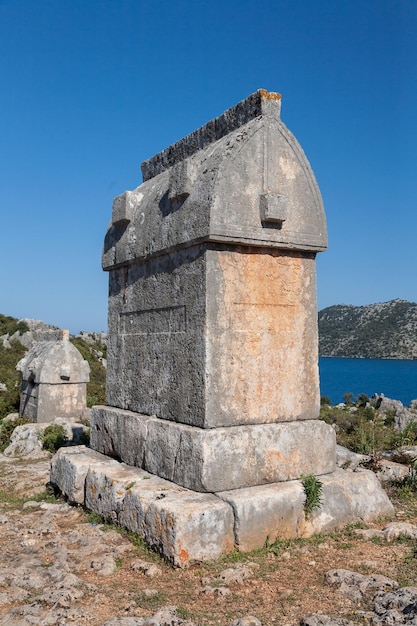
column 187, row 526
column 214, row 459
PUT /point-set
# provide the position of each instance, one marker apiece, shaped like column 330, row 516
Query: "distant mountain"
column 387, row 330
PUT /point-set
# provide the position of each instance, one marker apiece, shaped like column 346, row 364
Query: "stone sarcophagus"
column 54, row 379
column 212, row 309
column 212, row 384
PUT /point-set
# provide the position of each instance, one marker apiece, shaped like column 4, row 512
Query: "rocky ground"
column 61, row 566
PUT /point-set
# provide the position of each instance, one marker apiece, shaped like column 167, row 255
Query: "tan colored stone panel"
column 262, row 338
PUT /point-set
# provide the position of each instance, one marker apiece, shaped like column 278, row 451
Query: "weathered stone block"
column 349, row 497
column 119, row 434
column 106, row 487
column 217, row 181
column 271, row 512
column 260, row 326
column 156, row 337
column 184, row 526
column 222, row 340
column 124, row 207
column 141, row 494
column 266, row 513
column 69, row 469
column 216, row 459
column 190, row 527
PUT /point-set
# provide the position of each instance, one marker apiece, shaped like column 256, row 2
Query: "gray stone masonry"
column 185, row 526
column 212, row 404
column 215, row 459
column 54, row 380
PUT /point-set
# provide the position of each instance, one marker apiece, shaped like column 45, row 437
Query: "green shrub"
column 406, row 437
column 363, row 429
column 9, row 357
column 348, row 398
column 96, row 388
column 362, row 400
column 325, row 401
column 92, row 401
column 10, row 325
column 410, row 480
column 53, row 437
column 313, row 489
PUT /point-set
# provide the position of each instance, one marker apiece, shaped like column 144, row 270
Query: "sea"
column 395, row 378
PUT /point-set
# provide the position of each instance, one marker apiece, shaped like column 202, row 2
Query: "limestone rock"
column 248, row 620
column 404, row 454
column 396, row 529
column 389, row 471
column 166, row 616
column 105, row 566
column 395, row 608
column 13, row 594
column 149, row 569
column 355, row 585
column 216, row 592
column 124, row 621
column 402, row 416
column 236, row 575
column 26, row 439
column 320, row 619
column 346, row 459
column 390, row 532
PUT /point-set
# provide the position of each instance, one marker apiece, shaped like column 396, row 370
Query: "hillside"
column 387, row 330
column 18, row 336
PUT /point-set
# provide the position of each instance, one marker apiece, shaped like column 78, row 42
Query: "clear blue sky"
column 91, row 88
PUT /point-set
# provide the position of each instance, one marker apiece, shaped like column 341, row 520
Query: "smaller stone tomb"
column 54, row 379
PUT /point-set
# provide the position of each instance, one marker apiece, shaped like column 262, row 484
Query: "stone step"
column 215, row 459
column 187, row 526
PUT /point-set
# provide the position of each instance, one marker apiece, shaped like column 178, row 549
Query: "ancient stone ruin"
column 212, row 389
column 54, row 379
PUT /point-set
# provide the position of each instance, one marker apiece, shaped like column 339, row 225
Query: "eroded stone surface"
column 275, row 511
column 349, row 496
column 187, row 526
column 183, row 525
column 355, row 585
column 262, row 351
column 217, row 459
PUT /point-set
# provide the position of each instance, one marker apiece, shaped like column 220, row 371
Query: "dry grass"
column 288, row 581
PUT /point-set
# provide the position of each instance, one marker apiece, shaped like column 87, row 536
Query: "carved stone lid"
column 261, row 102
column 54, row 362
column 241, row 179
